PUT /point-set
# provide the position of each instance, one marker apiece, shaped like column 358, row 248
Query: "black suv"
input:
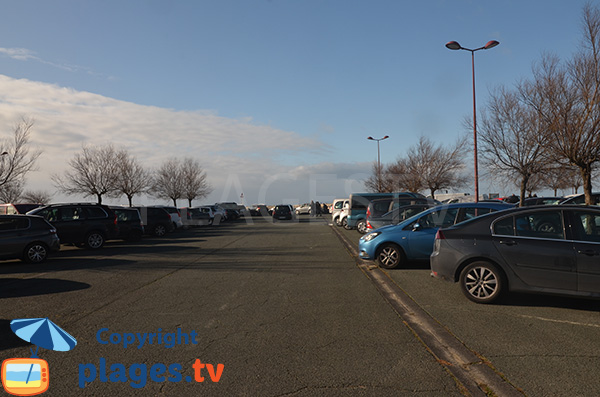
column 86, row 224
column 129, row 222
column 156, row 220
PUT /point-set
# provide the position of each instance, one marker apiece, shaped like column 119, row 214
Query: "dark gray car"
column 545, row 249
column 395, row 216
column 27, row 237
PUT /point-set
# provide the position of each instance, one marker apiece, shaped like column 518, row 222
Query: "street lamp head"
column 491, row 44
column 385, row 137
column 453, row 45
column 370, row 138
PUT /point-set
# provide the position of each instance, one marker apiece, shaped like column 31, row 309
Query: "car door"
column 586, row 235
column 13, row 236
column 422, row 233
column 533, row 244
column 70, row 224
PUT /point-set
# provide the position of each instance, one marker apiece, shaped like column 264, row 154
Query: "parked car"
column 385, row 206
column 129, row 223
column 542, row 201
column 175, row 216
column 304, row 209
column 393, row 245
column 13, row 209
column 336, row 210
column 395, row 216
column 259, row 209
column 282, row 211
column 156, row 220
column 87, row 224
column 580, row 199
column 358, row 203
column 195, row 216
column 27, row 237
column 549, row 249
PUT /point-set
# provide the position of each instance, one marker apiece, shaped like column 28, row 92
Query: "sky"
column 274, row 98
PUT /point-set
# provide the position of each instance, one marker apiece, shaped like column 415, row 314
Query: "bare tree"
column 399, row 176
column 194, row 179
column 16, row 158
column 440, row 167
column 131, row 178
column 167, row 182
column 377, row 182
column 36, row 196
column 567, row 98
column 512, row 139
column 93, row 172
column 559, row 177
column 11, row 192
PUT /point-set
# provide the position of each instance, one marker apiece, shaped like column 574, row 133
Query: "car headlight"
column 370, row 236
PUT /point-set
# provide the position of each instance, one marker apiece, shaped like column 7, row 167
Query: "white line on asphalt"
column 559, row 321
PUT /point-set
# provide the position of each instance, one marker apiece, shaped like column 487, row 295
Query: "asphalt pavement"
column 251, row 308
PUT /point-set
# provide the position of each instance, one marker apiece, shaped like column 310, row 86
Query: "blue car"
column 413, row 238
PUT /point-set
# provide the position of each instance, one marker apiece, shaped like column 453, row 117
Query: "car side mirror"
column 416, row 227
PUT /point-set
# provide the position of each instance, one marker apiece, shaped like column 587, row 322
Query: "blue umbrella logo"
column 43, row 333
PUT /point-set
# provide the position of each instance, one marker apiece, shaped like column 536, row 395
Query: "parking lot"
column 286, row 308
column 544, row 345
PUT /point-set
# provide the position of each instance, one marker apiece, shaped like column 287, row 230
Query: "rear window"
column 96, row 213
column 504, row 227
column 127, row 215
column 14, row 223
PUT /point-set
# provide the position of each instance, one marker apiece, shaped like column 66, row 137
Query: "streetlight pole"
column 378, row 161
column 453, row 45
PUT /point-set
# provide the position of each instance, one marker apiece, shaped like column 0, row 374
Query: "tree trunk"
column 586, row 176
column 99, row 198
column 524, row 181
column 130, row 199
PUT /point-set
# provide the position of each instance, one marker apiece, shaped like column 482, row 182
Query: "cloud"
column 238, row 154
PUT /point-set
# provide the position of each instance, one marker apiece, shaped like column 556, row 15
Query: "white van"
column 336, row 210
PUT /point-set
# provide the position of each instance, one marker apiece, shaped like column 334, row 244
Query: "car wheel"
column 337, row 221
column 35, row 253
column 160, row 230
column 94, row 240
column 345, row 224
column 482, row 282
column 389, row 256
column 361, row 226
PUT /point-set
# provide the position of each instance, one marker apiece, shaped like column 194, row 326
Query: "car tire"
column 345, row 224
column 35, row 253
column 389, row 256
column 159, row 230
column 337, row 221
column 482, row 282
column 94, row 240
column 361, row 226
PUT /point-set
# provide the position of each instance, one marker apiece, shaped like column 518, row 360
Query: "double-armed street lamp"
column 378, row 160
column 453, row 45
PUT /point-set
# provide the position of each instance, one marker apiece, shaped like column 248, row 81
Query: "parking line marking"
column 559, row 321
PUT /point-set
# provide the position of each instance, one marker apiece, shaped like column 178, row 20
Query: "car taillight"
column 369, row 226
column 115, row 221
column 368, row 212
column 440, row 235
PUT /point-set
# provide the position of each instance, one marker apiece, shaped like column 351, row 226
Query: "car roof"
column 500, row 205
